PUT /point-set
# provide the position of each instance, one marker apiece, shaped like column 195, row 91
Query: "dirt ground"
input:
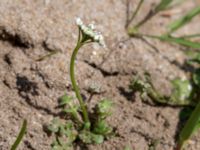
column 30, row 89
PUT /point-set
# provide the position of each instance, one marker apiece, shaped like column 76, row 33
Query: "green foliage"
column 133, row 31
column 163, row 5
column 78, row 124
column 193, row 123
column 191, row 126
column 184, row 92
column 90, row 137
column 177, row 40
column 67, row 132
column 184, row 20
column 20, row 135
column 104, row 108
column 181, row 93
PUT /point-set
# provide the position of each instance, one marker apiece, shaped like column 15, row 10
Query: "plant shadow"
column 27, row 88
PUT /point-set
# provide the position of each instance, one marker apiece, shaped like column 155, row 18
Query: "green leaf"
column 104, row 108
column 184, row 20
column 69, row 131
column 54, row 125
column 190, row 127
column 61, row 145
column 97, row 139
column 65, row 99
column 73, row 109
column 85, row 136
column 102, row 128
column 196, row 77
column 162, row 5
column 182, row 90
column 180, row 41
column 89, row 137
column 20, row 135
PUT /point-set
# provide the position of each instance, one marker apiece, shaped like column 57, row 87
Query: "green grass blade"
column 190, row 127
column 184, row 20
column 190, row 36
column 162, row 5
column 137, row 10
column 47, row 55
column 20, row 135
column 175, row 3
column 180, row 41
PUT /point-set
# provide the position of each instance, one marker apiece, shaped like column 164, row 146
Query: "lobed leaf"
column 104, row 108
column 182, row 90
column 102, row 128
column 54, row 125
column 65, row 99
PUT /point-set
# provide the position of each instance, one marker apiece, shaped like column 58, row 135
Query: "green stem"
column 134, row 29
column 135, row 12
column 74, row 84
column 190, row 127
column 20, row 135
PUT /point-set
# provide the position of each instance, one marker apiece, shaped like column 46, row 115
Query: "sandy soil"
column 30, row 89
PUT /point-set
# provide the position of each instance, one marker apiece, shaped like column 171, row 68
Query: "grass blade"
column 190, row 127
column 47, row 55
column 20, row 135
column 136, row 11
column 184, row 20
column 175, row 3
column 162, row 5
column 190, row 36
column 180, row 41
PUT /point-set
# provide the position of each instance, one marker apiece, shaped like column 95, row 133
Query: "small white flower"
column 189, row 87
column 91, row 26
column 89, row 31
column 79, row 22
column 101, row 41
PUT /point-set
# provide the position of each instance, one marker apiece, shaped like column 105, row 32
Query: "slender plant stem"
column 190, row 127
column 191, row 36
column 135, row 13
column 148, row 17
column 74, row 84
column 133, row 30
column 20, row 135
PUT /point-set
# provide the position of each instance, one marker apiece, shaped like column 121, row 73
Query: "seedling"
column 193, row 123
column 82, row 127
column 20, row 136
column 172, row 27
column 184, row 93
column 133, row 31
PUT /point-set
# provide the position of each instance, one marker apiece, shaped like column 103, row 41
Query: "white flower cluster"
column 89, row 30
